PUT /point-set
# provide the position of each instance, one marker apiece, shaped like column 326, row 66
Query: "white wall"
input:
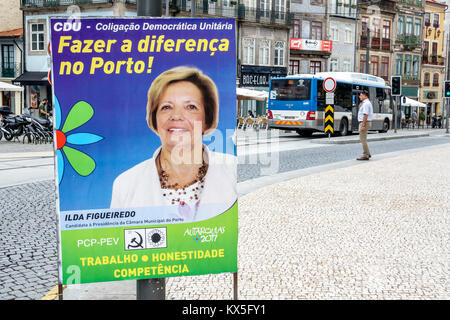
column 341, row 49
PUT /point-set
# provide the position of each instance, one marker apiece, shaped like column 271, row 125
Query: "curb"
column 372, row 139
column 14, row 155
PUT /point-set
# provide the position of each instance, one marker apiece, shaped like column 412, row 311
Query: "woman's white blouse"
column 140, row 187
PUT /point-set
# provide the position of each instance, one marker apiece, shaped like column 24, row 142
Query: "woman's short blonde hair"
column 193, row 75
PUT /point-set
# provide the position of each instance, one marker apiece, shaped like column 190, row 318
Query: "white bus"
column 297, row 102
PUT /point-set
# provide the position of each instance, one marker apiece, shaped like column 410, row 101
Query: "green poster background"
column 97, row 255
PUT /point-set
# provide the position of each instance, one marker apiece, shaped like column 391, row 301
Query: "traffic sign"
column 329, row 98
column 329, row 119
column 329, row 84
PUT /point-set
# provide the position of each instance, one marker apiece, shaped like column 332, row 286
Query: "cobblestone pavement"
column 290, row 160
column 28, row 254
column 352, row 233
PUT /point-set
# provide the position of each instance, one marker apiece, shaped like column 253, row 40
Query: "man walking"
column 43, row 114
column 365, row 115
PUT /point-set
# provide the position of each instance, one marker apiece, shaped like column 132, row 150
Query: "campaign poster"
column 146, row 166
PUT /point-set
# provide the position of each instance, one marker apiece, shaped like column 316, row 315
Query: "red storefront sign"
column 312, row 45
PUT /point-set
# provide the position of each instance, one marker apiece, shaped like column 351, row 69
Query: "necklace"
column 182, row 194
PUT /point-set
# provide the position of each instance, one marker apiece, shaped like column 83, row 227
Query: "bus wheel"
column 304, row 133
column 385, row 126
column 343, row 127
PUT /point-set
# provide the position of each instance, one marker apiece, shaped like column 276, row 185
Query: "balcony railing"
column 54, row 3
column 375, row 43
column 386, row 44
column 409, row 77
column 265, row 16
column 411, row 40
column 242, row 12
column 344, row 10
column 363, row 42
column 433, row 60
column 10, row 71
column 418, row 3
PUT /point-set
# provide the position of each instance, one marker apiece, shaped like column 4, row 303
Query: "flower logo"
column 80, row 113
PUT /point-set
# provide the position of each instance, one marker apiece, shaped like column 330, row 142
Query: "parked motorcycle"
column 33, row 130
column 4, row 112
column 12, row 126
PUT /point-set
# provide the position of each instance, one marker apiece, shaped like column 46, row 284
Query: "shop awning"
column 9, row 87
column 32, row 78
column 247, row 94
column 412, row 103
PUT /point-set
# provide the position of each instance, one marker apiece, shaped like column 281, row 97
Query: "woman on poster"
column 191, row 182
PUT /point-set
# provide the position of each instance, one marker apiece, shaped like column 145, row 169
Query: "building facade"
column 11, row 56
column 36, row 32
column 407, row 56
column 375, row 41
column 263, row 47
column 10, row 15
column 342, row 31
column 434, row 57
column 309, row 43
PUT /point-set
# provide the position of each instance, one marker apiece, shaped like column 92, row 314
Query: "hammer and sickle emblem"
column 136, row 244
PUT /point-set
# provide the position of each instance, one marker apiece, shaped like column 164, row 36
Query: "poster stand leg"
column 151, row 289
column 235, row 286
column 60, row 291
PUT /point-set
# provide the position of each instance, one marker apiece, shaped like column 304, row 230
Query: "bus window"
column 380, row 93
column 343, row 97
column 320, row 96
column 290, row 89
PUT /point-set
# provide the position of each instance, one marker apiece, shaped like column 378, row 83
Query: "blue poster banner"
column 145, row 113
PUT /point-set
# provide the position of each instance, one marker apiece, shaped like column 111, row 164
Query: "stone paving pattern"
column 28, row 253
column 376, row 230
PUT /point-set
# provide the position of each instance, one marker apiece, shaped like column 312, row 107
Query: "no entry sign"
column 329, row 84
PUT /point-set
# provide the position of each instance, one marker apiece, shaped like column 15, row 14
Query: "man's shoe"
column 363, row 158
